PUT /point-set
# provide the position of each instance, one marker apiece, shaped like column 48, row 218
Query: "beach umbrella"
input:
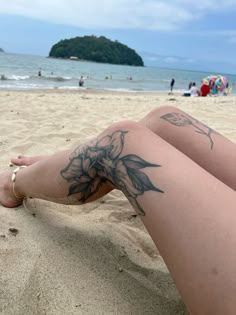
column 219, row 81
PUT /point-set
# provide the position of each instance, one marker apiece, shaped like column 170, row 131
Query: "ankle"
column 7, row 184
column 18, row 195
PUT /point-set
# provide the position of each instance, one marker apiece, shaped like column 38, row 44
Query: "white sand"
column 92, row 259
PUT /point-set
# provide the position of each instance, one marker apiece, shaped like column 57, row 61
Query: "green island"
column 1, row 50
column 97, row 49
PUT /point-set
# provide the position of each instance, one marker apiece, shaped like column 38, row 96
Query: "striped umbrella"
column 218, row 80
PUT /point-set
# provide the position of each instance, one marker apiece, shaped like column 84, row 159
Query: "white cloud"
column 211, row 33
column 190, row 60
column 171, row 60
column 232, row 40
column 206, row 5
column 122, row 14
column 151, row 58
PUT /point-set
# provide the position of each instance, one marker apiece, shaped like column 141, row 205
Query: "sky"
column 180, row 34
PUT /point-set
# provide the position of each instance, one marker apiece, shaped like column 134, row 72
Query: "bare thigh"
column 200, row 142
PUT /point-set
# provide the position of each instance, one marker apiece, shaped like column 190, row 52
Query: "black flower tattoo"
column 100, row 161
column 182, row 120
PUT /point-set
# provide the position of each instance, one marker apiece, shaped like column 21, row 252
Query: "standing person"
column 172, row 83
column 227, row 89
column 81, row 81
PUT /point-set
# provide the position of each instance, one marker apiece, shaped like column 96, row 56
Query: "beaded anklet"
column 13, row 179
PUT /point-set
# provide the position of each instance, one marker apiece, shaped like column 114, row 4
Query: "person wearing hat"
column 205, row 88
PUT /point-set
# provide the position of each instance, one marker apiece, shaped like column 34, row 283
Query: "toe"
column 20, row 160
column 10, row 204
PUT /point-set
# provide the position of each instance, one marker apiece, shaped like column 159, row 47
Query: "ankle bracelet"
column 13, row 179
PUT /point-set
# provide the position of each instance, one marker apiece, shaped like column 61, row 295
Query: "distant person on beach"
column 172, row 83
column 3, row 77
column 214, row 89
column 81, row 81
column 194, row 90
column 205, row 88
column 227, row 89
column 188, row 91
column 39, row 73
column 180, row 177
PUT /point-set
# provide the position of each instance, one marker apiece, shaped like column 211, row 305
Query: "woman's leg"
column 203, row 145
column 181, row 205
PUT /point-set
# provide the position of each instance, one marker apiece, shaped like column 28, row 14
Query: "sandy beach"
column 91, row 259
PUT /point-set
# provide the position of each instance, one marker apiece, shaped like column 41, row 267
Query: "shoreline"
column 88, row 91
column 177, row 93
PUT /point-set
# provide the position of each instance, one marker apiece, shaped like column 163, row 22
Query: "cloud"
column 211, row 33
column 171, row 60
column 226, row 36
column 206, row 5
column 117, row 14
column 152, row 59
column 175, row 60
column 232, row 40
column 190, row 60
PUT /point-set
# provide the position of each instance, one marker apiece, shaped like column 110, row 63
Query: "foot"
column 7, row 197
column 24, row 160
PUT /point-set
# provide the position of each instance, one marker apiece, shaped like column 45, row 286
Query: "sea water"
column 21, row 72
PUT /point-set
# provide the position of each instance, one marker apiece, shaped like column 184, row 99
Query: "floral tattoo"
column 92, row 165
column 181, row 120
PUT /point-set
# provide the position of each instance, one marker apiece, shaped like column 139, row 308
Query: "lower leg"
column 43, row 179
column 213, row 152
column 203, row 145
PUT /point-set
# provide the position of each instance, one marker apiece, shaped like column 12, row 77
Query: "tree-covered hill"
column 1, row 50
column 98, row 49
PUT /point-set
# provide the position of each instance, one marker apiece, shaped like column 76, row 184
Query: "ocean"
column 20, row 72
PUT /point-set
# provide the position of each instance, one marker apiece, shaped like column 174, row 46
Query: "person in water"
column 81, row 81
column 172, row 83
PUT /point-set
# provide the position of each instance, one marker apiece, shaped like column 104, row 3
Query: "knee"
column 126, row 125
column 152, row 120
column 162, row 110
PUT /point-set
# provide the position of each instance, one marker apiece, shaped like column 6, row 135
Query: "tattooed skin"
column 182, row 120
column 100, row 161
